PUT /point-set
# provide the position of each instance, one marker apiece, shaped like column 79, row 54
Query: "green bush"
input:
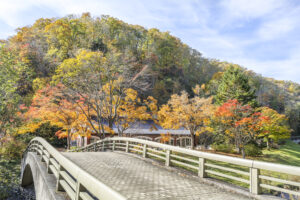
column 11, row 148
column 46, row 131
column 252, row 150
column 223, row 147
column 9, row 177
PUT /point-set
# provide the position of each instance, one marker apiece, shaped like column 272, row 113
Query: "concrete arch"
column 27, row 177
column 34, row 171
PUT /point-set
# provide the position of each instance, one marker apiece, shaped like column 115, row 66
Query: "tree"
column 235, row 85
column 11, row 70
column 63, row 37
column 273, row 126
column 184, row 112
column 100, row 81
column 50, row 105
column 238, row 122
column 132, row 110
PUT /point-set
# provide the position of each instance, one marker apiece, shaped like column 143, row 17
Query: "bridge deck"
column 137, row 179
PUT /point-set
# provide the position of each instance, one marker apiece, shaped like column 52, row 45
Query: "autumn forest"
column 82, row 75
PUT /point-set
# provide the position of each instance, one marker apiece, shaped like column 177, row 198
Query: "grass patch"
column 287, row 154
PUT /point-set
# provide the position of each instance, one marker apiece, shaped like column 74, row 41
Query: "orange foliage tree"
column 50, row 105
column 238, row 122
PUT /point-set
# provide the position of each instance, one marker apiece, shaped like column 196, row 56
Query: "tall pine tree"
column 235, row 85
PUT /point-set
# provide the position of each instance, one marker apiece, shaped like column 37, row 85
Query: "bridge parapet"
column 257, row 175
column 77, row 183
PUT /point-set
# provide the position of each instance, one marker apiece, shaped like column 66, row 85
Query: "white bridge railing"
column 255, row 175
column 295, row 137
column 77, row 183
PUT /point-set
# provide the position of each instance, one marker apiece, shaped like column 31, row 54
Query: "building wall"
column 176, row 140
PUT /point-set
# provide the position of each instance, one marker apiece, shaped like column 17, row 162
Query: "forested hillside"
column 168, row 65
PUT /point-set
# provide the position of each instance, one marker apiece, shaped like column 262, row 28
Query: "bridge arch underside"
column 35, row 172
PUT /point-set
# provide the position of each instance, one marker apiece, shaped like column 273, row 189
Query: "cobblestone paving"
column 138, row 179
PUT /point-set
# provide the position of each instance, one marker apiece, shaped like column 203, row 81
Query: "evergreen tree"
column 235, row 85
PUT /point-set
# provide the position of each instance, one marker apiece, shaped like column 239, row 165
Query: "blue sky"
column 262, row 35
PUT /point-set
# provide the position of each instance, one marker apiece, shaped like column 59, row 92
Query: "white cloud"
column 276, row 28
column 250, row 8
column 9, row 11
column 286, row 69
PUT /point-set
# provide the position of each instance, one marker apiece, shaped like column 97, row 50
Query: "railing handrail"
column 287, row 169
column 295, row 137
column 90, row 183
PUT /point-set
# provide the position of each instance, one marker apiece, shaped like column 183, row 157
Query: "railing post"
column 96, row 147
column 37, row 149
column 79, row 188
column 103, row 143
column 113, row 146
column 167, row 163
column 127, row 147
column 59, row 178
column 254, row 181
column 42, row 150
column 32, row 148
column 201, row 170
column 48, row 164
column 144, row 151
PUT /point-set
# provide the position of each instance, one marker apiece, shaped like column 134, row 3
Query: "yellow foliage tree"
column 273, row 126
column 100, row 82
column 189, row 113
column 132, row 110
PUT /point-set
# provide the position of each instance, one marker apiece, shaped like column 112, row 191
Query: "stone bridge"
column 129, row 168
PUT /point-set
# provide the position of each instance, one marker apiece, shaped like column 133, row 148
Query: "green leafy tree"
column 11, row 71
column 62, row 37
column 235, row 85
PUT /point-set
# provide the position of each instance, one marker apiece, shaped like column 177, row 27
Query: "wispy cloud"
column 260, row 35
column 245, row 9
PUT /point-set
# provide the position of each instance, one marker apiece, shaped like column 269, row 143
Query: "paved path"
column 138, row 179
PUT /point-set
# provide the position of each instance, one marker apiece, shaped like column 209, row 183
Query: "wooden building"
column 145, row 130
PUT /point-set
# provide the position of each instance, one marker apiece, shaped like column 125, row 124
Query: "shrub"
column 11, row 148
column 282, row 142
column 252, row 150
column 46, row 131
column 223, row 147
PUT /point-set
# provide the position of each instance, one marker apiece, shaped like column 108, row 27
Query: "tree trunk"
column 103, row 132
column 68, row 140
column 192, row 140
column 243, row 152
column 110, row 123
column 237, row 146
column 268, row 144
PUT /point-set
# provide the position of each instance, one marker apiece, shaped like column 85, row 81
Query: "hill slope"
column 170, row 65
